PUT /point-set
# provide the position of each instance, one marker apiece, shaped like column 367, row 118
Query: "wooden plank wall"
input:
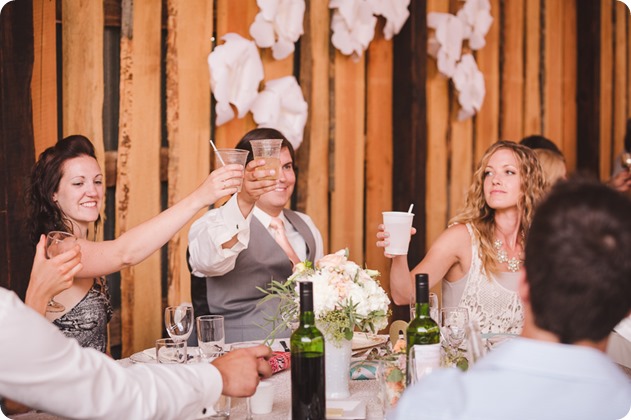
column 533, row 86
column 138, row 170
column 530, row 77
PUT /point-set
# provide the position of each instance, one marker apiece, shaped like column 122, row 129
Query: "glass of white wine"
column 58, row 242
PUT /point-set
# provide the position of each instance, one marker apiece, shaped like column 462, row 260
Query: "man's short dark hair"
column 578, row 261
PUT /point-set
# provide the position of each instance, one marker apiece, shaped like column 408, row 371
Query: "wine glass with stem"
column 178, row 321
column 58, row 242
column 453, row 323
column 245, row 345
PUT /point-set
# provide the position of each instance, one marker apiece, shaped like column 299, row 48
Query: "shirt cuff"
column 232, row 218
column 213, row 387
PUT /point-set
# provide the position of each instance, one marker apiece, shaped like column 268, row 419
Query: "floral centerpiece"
column 346, row 297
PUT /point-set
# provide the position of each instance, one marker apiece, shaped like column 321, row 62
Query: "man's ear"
column 523, row 288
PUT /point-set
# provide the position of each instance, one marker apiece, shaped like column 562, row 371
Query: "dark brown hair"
column 577, row 261
column 44, row 215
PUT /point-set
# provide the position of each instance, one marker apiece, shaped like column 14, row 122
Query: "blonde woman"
column 479, row 255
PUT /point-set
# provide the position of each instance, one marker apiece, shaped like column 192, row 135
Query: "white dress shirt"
column 218, row 226
column 44, row 369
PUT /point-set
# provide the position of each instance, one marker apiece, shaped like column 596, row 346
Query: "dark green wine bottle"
column 307, row 363
column 423, row 335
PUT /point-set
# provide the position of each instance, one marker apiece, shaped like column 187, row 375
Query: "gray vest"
column 234, row 295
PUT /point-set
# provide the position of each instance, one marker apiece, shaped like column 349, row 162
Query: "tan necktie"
column 281, row 238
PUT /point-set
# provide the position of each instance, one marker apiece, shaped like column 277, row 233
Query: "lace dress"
column 497, row 309
column 87, row 320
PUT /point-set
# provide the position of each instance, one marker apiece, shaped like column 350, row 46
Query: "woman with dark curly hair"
column 66, row 193
column 480, row 253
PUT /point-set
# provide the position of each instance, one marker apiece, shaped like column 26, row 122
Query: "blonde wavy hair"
column 482, row 217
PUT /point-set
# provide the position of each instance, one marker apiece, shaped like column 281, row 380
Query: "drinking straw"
column 217, row 151
column 409, row 210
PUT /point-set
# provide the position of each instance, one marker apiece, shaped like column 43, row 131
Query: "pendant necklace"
column 502, row 257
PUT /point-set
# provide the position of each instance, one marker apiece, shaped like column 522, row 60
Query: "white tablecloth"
column 360, row 390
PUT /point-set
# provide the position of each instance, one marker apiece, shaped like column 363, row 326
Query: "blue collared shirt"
column 523, row 379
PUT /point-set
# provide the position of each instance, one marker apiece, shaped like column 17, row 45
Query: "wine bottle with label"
column 423, row 335
column 307, row 363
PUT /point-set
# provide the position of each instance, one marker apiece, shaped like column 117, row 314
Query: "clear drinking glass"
column 58, row 242
column 210, row 336
column 245, row 345
column 434, row 307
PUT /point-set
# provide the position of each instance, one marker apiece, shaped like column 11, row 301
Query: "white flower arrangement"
column 345, row 297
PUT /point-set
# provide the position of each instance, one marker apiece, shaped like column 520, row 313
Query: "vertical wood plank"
column 461, row 147
column 512, row 70
column 606, row 87
column 553, row 71
column 82, row 74
column 437, row 86
column 620, row 79
column 190, row 27
column 532, row 52
column 138, row 182
column 461, row 168
column 488, row 58
column 588, row 18
column 629, row 65
column 347, row 197
column 313, row 154
column 44, row 81
column 16, row 142
column 569, row 84
column 234, row 16
column 378, row 144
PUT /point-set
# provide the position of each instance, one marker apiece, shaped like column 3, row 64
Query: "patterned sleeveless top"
column 497, row 309
column 87, row 320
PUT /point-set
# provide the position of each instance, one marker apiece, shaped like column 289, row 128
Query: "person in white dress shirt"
column 575, row 288
column 43, row 369
column 234, row 249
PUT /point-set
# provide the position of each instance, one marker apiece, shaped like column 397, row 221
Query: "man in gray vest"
column 245, row 244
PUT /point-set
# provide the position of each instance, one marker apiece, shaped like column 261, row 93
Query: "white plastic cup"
column 399, row 225
column 263, row 399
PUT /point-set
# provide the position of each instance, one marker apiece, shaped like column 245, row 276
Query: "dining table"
column 366, row 391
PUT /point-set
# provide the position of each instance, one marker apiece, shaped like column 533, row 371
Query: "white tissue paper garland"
column 278, row 25
column 396, row 13
column 469, row 82
column 236, row 71
column 472, row 23
column 282, row 106
column 353, row 22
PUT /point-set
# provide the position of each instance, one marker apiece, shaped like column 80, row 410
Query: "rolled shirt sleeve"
column 44, row 369
column 208, row 233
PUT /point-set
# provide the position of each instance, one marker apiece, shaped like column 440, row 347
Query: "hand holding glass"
column 398, row 224
column 58, row 242
column 237, row 346
column 269, row 150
